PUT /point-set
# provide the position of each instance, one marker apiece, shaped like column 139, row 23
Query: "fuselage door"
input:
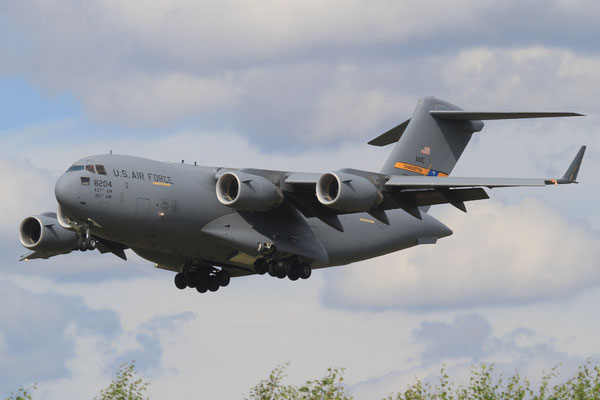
column 142, row 210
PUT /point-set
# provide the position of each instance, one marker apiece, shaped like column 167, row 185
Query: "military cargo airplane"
column 209, row 224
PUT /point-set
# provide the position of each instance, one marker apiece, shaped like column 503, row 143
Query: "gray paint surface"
column 170, row 213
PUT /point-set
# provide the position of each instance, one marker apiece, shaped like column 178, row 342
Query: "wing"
column 411, row 192
column 41, row 254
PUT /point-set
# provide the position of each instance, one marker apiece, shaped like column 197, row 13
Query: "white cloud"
column 532, row 78
column 27, row 190
column 294, row 73
column 498, row 255
column 152, row 100
column 461, row 345
column 185, row 58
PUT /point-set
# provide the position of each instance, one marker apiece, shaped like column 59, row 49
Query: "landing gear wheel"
column 82, row 244
column 260, row 266
column 202, row 287
column 213, row 283
column 272, row 268
column 180, row 281
column 294, row 274
column 190, row 279
column 224, row 278
column 91, row 242
column 305, row 271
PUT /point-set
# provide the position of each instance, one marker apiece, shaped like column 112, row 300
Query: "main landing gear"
column 206, row 279
column 292, row 267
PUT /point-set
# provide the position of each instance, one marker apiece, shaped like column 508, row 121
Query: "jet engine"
column 346, row 192
column 44, row 233
column 247, row 192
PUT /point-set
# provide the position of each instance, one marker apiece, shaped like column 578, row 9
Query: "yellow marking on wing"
column 161, row 184
column 366, row 220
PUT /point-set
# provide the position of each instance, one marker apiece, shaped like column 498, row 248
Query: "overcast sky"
column 301, row 85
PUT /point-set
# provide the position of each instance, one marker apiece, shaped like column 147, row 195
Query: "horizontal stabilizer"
column 490, row 115
column 391, row 136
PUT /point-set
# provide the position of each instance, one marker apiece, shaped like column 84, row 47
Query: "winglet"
column 570, row 175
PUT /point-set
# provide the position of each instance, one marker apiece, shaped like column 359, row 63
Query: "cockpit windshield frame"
column 75, row 167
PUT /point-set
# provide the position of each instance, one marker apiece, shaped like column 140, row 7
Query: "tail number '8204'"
column 101, row 183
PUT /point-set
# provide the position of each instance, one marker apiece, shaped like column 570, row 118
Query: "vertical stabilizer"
column 428, row 145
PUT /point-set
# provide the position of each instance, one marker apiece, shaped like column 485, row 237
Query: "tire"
column 81, row 244
column 91, row 242
column 180, row 282
column 224, row 278
column 190, row 279
column 202, row 287
column 305, row 271
column 281, row 274
column 294, row 274
column 282, row 267
column 260, row 266
column 213, row 283
column 272, row 269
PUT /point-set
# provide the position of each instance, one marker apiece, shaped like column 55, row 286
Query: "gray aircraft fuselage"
column 158, row 209
column 210, row 224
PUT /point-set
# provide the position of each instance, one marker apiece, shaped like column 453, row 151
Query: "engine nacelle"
column 44, row 233
column 247, row 192
column 346, row 192
column 64, row 220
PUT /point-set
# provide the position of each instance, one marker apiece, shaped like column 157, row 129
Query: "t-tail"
column 433, row 139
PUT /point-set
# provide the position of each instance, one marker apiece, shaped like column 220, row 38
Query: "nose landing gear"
column 87, row 243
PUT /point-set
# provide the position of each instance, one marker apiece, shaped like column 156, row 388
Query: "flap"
column 450, row 182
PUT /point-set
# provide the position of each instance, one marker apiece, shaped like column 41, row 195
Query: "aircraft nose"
column 66, row 190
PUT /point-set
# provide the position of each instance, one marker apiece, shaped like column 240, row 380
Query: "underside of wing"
column 41, row 254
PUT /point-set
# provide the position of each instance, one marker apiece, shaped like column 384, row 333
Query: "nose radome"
column 65, row 190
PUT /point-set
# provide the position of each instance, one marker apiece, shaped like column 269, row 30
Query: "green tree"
column 22, row 393
column 329, row 387
column 484, row 385
column 126, row 385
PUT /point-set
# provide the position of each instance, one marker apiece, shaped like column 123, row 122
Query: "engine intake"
column 44, row 233
column 346, row 192
column 247, row 192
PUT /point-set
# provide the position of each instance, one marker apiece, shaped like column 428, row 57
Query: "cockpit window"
column 90, row 168
column 75, row 168
column 100, row 169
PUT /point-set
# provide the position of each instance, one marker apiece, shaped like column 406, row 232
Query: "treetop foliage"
column 483, row 384
column 125, row 386
column 329, row 387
